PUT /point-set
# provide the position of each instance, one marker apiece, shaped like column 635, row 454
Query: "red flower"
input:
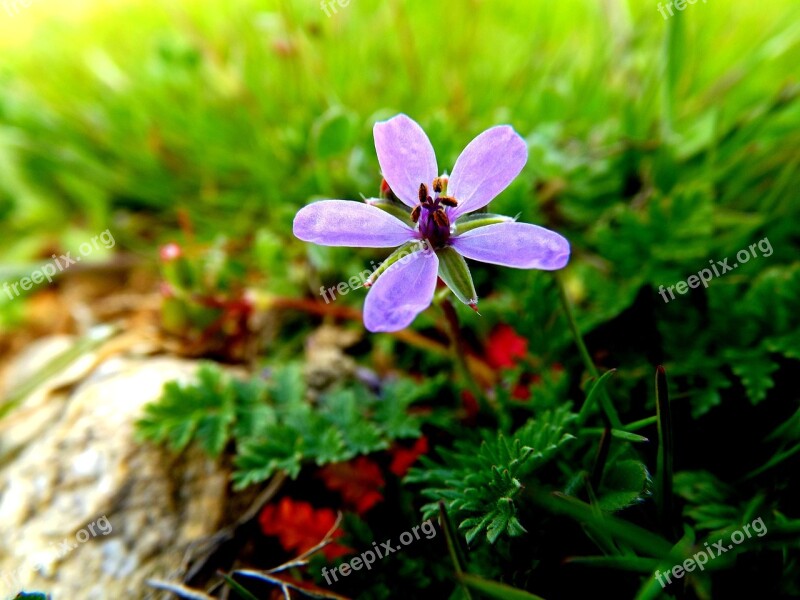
column 470, row 404
column 521, row 392
column 358, row 481
column 403, row 458
column 299, row 526
column 503, row 346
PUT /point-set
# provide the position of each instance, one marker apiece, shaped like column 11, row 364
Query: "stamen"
column 415, row 213
column 438, row 185
column 448, row 200
column 440, row 218
column 423, row 192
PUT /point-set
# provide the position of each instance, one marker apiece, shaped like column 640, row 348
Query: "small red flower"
column 503, row 346
column 470, row 404
column 403, row 458
column 358, row 481
column 521, row 392
column 299, row 526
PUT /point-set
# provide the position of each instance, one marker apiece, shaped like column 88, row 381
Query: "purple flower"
column 428, row 217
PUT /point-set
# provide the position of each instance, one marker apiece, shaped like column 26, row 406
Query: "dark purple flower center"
column 430, row 213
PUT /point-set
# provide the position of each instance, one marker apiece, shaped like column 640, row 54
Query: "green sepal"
column 475, row 220
column 396, row 209
column 454, row 271
column 403, row 251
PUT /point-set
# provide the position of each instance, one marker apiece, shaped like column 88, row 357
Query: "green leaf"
column 493, row 589
column 480, row 489
column 622, row 563
column 590, row 397
column 625, row 483
column 637, row 537
column 258, row 460
column 344, row 423
column 287, row 386
column 755, row 374
column 455, row 273
column 204, row 410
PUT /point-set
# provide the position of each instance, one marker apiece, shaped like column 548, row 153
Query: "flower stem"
column 458, row 349
column 608, row 408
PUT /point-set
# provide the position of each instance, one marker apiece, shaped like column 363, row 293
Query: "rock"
column 86, row 510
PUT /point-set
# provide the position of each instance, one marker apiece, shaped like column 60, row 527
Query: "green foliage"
column 480, row 488
column 209, row 411
column 273, row 424
column 626, row 482
column 342, row 424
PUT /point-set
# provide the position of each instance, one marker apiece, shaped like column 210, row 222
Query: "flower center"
column 430, row 213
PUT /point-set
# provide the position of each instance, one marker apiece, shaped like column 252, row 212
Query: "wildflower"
column 431, row 223
column 299, row 526
column 504, row 346
column 358, row 481
column 403, row 458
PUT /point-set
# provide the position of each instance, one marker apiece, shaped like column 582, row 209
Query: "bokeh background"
column 656, row 145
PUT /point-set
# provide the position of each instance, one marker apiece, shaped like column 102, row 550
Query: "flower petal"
column 406, row 157
column 518, row 245
column 485, row 168
column 403, row 291
column 347, row 223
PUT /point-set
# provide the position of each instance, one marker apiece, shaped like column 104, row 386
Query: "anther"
column 440, row 218
column 423, row 192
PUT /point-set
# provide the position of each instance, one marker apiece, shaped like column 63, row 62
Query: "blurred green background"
column 656, row 144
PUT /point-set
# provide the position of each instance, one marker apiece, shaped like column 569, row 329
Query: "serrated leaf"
column 625, row 483
column 479, row 489
column 755, row 374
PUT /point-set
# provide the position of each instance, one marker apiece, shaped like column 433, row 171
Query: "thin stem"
column 608, row 408
column 458, row 350
column 664, row 500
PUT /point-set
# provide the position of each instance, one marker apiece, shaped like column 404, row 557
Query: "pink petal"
column 346, row 223
column 485, row 168
column 518, row 245
column 406, row 157
column 403, row 291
